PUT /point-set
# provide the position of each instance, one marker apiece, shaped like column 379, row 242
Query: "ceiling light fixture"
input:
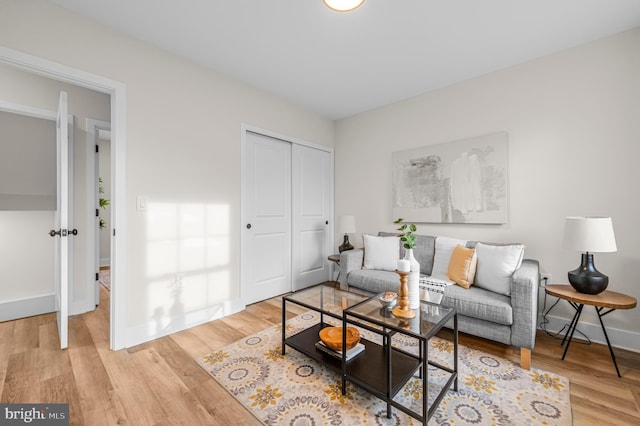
column 343, row 5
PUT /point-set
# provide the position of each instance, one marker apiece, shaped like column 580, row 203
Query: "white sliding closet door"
column 287, row 208
column 311, row 208
column 266, row 253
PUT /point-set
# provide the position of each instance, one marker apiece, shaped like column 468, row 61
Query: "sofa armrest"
column 524, row 302
column 350, row 260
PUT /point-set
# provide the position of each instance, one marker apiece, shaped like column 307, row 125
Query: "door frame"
column 248, row 128
column 117, row 91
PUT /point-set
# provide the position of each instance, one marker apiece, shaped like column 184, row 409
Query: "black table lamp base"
column 587, row 279
column 346, row 245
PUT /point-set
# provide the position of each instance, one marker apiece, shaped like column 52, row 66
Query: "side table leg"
column 572, row 329
column 613, row 357
column 573, row 323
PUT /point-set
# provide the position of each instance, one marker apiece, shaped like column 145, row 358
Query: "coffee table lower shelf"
column 368, row 369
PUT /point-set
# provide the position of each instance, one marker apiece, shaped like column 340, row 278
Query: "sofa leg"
column 525, row 358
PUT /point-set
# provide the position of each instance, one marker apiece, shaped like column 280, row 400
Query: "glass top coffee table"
column 382, row 369
column 326, row 300
column 395, row 366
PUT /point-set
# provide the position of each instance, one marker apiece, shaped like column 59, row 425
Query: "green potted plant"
column 407, row 237
column 409, row 243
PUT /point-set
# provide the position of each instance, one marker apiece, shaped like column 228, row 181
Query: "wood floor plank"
column 182, row 364
column 26, row 333
column 224, row 409
column 62, row 389
column 206, row 337
column 269, row 313
column 168, row 388
column 159, row 382
column 94, row 385
column 6, row 346
column 245, row 323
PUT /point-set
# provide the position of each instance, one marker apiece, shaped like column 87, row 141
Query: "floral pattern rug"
column 295, row 390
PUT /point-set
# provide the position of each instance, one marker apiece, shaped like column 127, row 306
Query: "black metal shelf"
column 368, row 369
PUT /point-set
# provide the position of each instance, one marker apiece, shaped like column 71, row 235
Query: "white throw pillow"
column 444, row 248
column 496, row 265
column 381, row 252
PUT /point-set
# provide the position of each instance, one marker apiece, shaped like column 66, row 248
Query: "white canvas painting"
column 457, row 182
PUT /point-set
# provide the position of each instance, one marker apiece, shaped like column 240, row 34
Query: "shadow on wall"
column 187, row 264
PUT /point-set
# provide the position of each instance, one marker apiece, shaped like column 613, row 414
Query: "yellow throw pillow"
column 462, row 266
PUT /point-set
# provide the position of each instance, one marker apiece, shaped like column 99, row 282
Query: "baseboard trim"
column 622, row 339
column 152, row 330
column 27, row 307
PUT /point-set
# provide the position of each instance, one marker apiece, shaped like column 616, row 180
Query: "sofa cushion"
column 424, row 251
column 462, row 266
column 479, row 303
column 380, row 252
column 444, row 249
column 496, row 265
column 374, row 281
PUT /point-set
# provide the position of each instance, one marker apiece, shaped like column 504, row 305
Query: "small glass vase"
column 413, row 280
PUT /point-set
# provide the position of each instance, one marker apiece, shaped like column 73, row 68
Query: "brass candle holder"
column 403, row 310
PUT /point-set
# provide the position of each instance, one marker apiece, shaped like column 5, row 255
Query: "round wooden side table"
column 606, row 300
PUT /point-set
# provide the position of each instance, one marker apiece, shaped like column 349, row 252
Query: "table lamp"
column 346, row 226
column 589, row 234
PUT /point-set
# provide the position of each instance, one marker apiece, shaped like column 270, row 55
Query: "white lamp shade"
column 343, row 5
column 346, row 224
column 589, row 234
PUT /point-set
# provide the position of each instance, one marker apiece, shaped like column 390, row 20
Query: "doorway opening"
column 116, row 91
column 99, row 204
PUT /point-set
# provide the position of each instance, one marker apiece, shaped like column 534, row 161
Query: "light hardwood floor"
column 159, row 383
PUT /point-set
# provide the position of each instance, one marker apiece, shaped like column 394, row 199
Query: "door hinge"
column 97, row 212
column 97, row 276
column 114, row 232
column 97, row 148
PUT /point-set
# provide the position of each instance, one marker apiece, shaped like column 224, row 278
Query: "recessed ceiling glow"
column 343, row 5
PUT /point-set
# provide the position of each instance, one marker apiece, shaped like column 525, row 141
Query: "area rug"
column 295, row 390
column 104, row 278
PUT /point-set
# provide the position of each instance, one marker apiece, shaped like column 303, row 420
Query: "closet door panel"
column 311, row 211
column 266, row 265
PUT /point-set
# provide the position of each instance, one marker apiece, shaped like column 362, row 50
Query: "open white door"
column 61, row 221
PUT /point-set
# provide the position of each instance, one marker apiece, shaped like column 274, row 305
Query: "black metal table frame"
column 387, row 333
column 574, row 323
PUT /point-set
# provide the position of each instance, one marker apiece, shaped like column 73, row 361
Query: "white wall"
column 27, row 179
column 182, row 153
column 27, row 162
column 574, row 143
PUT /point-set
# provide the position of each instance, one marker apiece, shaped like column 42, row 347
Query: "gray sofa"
column 506, row 319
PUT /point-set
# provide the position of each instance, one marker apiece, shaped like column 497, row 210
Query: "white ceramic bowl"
column 388, row 300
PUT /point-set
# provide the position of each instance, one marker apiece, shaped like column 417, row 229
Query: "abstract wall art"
column 463, row 181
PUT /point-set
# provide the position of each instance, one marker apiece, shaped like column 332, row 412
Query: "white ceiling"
column 341, row 64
